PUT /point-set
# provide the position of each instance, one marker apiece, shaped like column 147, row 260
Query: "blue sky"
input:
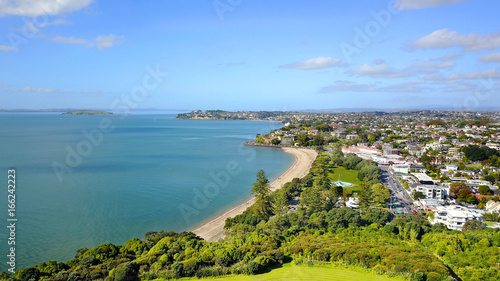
column 249, row 55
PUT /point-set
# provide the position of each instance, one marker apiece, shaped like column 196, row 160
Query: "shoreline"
column 213, row 230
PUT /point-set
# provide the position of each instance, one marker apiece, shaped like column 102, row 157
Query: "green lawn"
column 350, row 176
column 316, row 273
column 475, row 166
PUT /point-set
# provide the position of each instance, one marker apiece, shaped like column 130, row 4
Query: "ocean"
column 82, row 181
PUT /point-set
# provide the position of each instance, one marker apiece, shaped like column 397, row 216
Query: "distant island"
column 88, row 112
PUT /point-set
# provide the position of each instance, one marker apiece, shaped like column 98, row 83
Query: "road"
column 401, row 202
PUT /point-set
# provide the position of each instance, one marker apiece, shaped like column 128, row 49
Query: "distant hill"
column 88, row 112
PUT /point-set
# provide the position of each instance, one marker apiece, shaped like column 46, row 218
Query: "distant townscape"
column 87, row 112
column 239, row 115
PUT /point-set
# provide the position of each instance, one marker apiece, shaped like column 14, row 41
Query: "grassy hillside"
column 318, row 273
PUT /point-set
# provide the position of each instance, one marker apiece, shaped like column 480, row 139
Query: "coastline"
column 213, row 230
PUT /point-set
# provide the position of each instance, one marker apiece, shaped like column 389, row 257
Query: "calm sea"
column 82, row 181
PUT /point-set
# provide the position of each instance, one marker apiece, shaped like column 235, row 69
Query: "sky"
column 249, row 55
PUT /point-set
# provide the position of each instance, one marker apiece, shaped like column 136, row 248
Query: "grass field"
column 316, row 273
column 475, row 166
column 350, row 176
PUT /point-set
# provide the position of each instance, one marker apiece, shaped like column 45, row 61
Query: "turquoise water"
column 151, row 172
column 342, row 184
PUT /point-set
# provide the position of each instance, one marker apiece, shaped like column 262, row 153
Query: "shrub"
column 433, row 276
column 125, row 272
column 178, row 269
column 253, row 267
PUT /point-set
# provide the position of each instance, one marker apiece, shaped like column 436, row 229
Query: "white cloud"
column 450, row 56
column 347, row 86
column 481, row 74
column 475, row 75
column 36, row 90
column 7, row 48
column 100, row 42
column 381, row 71
column 445, row 38
column 40, row 7
column 103, row 42
column 54, row 22
column 316, row 63
column 495, row 57
column 421, row 4
column 433, row 64
column 458, row 86
column 408, row 87
column 69, row 40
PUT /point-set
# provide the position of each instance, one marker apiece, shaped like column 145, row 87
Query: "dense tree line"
column 482, row 153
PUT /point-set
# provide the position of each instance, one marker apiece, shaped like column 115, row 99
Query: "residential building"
column 492, row 207
column 433, row 191
column 454, row 216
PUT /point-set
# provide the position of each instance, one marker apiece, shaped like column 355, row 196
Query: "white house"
column 402, row 168
column 492, row 206
column 454, row 217
column 449, row 167
column 432, row 191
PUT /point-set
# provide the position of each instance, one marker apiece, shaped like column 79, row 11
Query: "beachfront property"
column 454, row 217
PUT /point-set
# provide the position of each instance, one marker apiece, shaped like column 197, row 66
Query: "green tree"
column 489, row 178
column 261, row 187
column 318, row 140
column 312, row 198
column 281, row 202
column 324, row 127
column 365, row 196
column 484, row 190
column 456, row 187
column 263, row 205
column 473, row 225
column 380, row 195
column 125, row 272
column 352, row 161
column 302, row 139
column 418, row 195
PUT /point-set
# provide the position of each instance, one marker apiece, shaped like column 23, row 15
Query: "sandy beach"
column 214, row 229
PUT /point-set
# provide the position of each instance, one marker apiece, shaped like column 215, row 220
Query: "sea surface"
column 82, row 181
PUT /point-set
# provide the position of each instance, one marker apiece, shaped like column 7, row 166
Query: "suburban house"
column 433, row 191
column 492, row 206
column 454, row 217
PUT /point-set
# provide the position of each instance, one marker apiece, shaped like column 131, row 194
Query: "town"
column 443, row 163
